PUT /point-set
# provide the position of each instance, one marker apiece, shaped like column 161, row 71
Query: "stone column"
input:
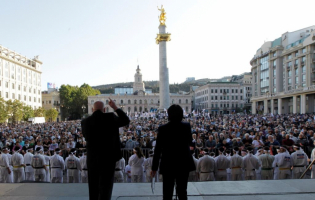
column 294, row 104
column 272, row 106
column 303, row 103
column 279, row 106
column 265, row 106
column 310, row 103
column 164, row 78
column 254, row 107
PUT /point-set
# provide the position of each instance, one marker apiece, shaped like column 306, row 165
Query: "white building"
column 139, row 101
column 20, row 78
column 284, row 74
column 220, row 97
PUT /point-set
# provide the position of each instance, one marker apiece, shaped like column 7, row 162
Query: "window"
column 211, row 90
column 289, row 73
column 216, row 98
column 135, row 102
column 303, row 78
column 49, row 102
column 241, row 90
column 43, row 102
column 289, row 56
column 220, row 97
column 7, row 84
column 232, row 97
column 236, row 91
column 220, row 90
column 13, row 96
column 274, row 72
column 38, row 91
column 7, row 95
column 304, row 50
column 289, row 81
column 29, row 90
column 297, row 61
column 236, row 97
column 216, row 91
column 227, row 91
column 29, row 98
column 34, row 99
column 12, row 85
column 24, row 97
column 232, row 90
column 34, row 91
column 186, row 101
column 221, row 105
column 24, row 89
column 19, row 97
column 274, row 63
column 296, row 53
column 19, row 87
column 274, row 82
column 227, row 97
column 211, row 105
column 303, row 69
column 303, row 59
column 296, row 80
column 241, row 97
column 296, row 71
column 275, row 54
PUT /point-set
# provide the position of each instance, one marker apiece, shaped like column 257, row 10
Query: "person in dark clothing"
column 175, row 136
column 97, row 128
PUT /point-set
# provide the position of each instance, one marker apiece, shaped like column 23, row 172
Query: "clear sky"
column 99, row 42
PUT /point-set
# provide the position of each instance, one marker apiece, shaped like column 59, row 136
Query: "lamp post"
column 83, row 109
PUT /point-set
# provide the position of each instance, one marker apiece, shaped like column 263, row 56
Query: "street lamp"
column 83, row 108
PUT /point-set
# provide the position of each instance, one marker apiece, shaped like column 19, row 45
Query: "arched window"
column 129, row 102
column 186, row 100
column 135, row 101
column 151, row 101
column 145, row 102
column 140, row 101
column 129, row 109
column 180, row 101
column 135, row 109
column 140, row 109
column 121, row 101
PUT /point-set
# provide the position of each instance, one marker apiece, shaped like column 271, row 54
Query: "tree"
column 3, row 111
column 51, row 114
column 72, row 98
column 14, row 110
column 28, row 112
column 39, row 112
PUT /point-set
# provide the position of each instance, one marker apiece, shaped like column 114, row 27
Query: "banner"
column 50, row 85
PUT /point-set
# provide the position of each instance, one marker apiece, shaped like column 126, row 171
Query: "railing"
column 126, row 153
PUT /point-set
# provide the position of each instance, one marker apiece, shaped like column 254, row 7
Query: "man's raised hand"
column 112, row 104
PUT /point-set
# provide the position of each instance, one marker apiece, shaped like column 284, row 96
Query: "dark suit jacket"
column 102, row 135
column 173, row 148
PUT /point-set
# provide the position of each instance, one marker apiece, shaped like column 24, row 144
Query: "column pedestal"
column 303, row 103
column 280, row 106
column 294, row 104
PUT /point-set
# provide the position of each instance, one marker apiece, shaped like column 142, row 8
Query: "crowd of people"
column 226, row 147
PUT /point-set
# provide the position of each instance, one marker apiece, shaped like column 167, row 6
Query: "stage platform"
column 242, row 190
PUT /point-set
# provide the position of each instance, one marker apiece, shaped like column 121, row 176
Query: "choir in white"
column 227, row 166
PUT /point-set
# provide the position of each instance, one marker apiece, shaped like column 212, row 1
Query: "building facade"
column 51, row 99
column 20, row 78
column 220, row 97
column 139, row 101
column 284, row 74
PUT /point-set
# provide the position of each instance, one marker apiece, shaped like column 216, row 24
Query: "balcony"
column 295, row 65
column 56, row 104
column 302, row 63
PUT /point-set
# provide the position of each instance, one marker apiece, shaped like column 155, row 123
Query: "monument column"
column 161, row 40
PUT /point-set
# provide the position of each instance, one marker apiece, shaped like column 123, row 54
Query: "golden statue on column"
column 162, row 16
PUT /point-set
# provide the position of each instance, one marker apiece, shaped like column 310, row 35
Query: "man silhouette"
column 102, row 135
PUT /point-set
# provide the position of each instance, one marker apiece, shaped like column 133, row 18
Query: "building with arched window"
column 140, row 101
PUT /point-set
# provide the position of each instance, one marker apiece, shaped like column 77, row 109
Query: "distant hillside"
column 154, row 85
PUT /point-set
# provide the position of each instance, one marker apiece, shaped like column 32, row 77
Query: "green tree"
column 72, row 99
column 14, row 110
column 39, row 112
column 28, row 112
column 51, row 114
column 3, row 111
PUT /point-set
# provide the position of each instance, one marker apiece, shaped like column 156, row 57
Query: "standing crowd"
column 225, row 147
